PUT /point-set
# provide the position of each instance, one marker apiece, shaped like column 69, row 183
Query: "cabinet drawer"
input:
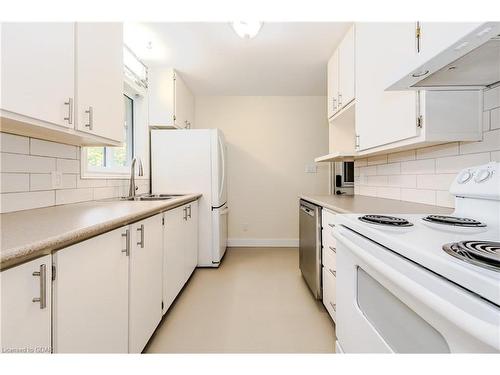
column 329, row 285
column 329, row 257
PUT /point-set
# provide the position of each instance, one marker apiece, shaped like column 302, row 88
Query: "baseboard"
column 263, row 242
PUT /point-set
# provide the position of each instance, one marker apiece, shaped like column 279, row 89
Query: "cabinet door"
column 333, row 83
column 99, row 77
column 37, row 70
column 91, row 296
column 183, row 104
column 145, row 281
column 26, row 307
column 161, row 96
column 174, row 274
column 379, row 47
column 347, row 69
column 191, row 239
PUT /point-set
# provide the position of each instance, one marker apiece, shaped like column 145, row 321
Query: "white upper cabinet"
column 341, row 75
column 387, row 120
column 347, row 69
column 26, row 304
column 91, row 295
column 63, row 81
column 37, row 71
column 99, row 77
column 146, row 275
column 171, row 103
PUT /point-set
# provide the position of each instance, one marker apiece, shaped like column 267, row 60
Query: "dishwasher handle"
column 307, row 210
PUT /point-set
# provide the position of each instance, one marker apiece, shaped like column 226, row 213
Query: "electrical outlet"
column 56, row 180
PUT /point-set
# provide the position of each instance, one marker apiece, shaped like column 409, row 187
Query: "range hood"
column 473, row 62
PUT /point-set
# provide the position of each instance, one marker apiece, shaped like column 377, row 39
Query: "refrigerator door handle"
column 223, row 156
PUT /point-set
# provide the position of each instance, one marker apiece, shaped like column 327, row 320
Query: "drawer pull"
column 334, row 306
column 332, row 249
column 332, row 272
column 42, row 274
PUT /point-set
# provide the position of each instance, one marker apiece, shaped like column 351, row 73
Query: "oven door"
column 386, row 303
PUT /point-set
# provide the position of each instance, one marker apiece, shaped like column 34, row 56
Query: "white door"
column 183, row 104
column 91, row 295
column 37, row 70
column 333, row 84
column 174, row 245
column 382, row 116
column 99, row 76
column 145, row 292
column 26, row 307
column 346, row 69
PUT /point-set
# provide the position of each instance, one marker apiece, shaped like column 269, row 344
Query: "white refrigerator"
column 194, row 161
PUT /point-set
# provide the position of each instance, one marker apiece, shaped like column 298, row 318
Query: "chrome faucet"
column 133, row 188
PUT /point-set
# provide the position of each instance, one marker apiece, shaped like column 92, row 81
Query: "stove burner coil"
column 484, row 254
column 453, row 220
column 385, row 220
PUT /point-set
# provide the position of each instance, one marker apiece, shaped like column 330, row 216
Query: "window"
column 115, row 159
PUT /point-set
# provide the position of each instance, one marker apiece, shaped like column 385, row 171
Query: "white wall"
column 424, row 175
column 270, row 141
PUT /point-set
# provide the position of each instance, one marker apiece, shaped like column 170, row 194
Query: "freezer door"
column 219, row 228
column 219, row 167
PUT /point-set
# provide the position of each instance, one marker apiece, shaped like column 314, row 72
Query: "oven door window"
column 400, row 327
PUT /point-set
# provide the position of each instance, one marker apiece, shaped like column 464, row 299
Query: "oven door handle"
column 482, row 330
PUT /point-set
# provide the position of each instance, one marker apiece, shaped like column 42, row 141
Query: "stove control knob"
column 482, row 175
column 464, row 177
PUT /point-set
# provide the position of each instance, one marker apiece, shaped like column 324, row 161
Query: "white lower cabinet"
column 26, row 307
column 91, row 295
column 180, row 250
column 145, row 282
column 329, row 256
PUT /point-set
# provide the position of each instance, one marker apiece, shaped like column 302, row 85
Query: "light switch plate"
column 56, row 179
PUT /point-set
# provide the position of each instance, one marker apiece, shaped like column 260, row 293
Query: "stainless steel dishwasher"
column 310, row 245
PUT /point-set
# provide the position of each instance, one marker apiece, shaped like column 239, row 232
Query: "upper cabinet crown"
column 63, row 81
column 341, row 74
column 171, row 102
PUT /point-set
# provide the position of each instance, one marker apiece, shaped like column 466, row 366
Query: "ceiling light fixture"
column 247, row 30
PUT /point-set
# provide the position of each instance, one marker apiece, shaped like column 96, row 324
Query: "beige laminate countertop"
column 26, row 235
column 346, row 204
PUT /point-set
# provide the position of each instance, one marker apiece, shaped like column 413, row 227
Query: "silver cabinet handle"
column 141, row 242
column 332, row 272
column 331, row 225
column 334, row 306
column 189, row 210
column 90, row 112
column 332, row 249
column 185, row 213
column 43, row 286
column 69, row 103
column 127, row 242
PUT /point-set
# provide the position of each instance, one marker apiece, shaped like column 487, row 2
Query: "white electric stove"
column 423, row 283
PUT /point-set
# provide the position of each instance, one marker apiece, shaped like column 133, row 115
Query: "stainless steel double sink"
column 151, row 197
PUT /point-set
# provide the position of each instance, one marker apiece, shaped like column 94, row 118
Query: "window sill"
column 110, row 176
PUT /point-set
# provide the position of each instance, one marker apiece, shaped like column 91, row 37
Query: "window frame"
column 138, row 94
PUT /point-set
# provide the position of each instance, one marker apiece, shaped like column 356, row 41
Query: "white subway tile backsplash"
column 370, row 191
column 438, row 151
column 486, row 121
column 455, row 164
column 106, row 192
column 389, row 169
column 14, row 182
column 377, row 180
column 418, row 166
column 74, row 195
column 368, row 171
column 389, row 192
column 495, row 156
column 14, row 143
column 91, row 182
column 25, row 201
column 435, row 181
column 19, row 163
column 495, row 119
column 68, row 166
column 407, row 181
column 419, row 196
column 57, row 150
column 445, row 199
column 401, row 156
column 360, row 163
column 490, row 142
column 491, row 98
column 375, row 160
column 40, row 181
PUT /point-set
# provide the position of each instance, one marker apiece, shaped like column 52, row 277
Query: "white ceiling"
column 283, row 59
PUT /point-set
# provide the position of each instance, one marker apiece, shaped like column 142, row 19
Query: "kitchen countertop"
column 30, row 234
column 346, row 204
